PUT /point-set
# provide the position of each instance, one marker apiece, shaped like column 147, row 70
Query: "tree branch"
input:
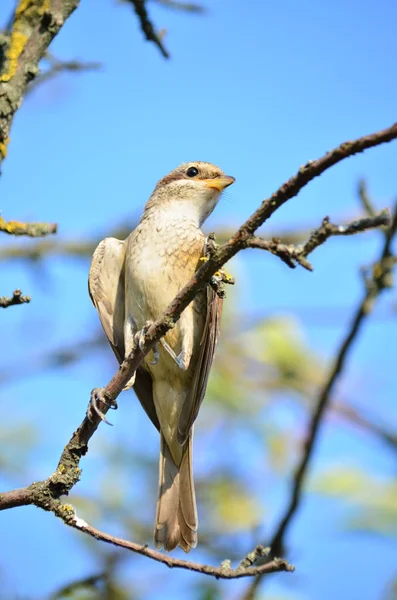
column 293, row 255
column 17, row 298
column 29, row 229
column 35, row 25
column 225, row 571
column 381, row 280
column 46, row 494
column 84, row 248
column 39, row 494
column 147, row 26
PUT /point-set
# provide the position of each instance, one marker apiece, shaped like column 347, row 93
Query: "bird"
column 131, row 282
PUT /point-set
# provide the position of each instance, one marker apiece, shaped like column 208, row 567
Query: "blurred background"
column 258, row 88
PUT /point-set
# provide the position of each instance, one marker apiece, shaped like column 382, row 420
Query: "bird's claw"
column 218, row 280
column 139, row 340
column 156, row 355
column 139, row 337
column 220, row 276
column 180, row 359
column 224, row 277
column 99, row 395
column 130, row 384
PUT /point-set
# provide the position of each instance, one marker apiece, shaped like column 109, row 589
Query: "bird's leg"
column 99, row 395
column 139, row 340
column 186, row 328
column 219, row 277
column 218, row 281
column 180, row 359
column 135, row 339
column 130, row 344
column 156, row 355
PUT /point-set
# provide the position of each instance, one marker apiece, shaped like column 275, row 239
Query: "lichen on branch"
column 35, row 24
column 29, row 229
column 27, row 14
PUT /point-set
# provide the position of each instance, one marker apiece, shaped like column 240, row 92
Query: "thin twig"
column 30, row 495
column 46, row 494
column 147, row 26
column 225, row 571
column 293, row 255
column 191, row 7
column 29, row 229
column 365, row 199
column 57, row 67
column 17, row 298
column 354, row 416
column 380, row 282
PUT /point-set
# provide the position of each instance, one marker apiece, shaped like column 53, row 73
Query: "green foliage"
column 371, row 501
column 233, row 508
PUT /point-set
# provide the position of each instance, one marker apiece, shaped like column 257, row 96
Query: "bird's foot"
column 99, row 395
column 224, row 277
column 219, row 277
column 218, row 281
column 139, row 340
column 181, row 359
column 130, row 383
column 156, row 355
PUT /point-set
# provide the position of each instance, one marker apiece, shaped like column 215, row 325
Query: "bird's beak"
column 220, row 183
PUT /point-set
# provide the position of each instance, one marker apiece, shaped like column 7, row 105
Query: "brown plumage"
column 131, row 283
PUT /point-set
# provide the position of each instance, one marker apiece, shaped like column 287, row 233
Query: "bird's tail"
column 176, row 518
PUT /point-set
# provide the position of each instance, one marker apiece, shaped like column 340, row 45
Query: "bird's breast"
column 162, row 254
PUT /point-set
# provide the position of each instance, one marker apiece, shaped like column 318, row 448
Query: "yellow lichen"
column 31, row 8
column 45, row 6
column 3, row 147
column 26, row 18
column 14, row 50
column 11, row 226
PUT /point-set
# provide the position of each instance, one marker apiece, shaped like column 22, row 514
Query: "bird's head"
column 193, row 188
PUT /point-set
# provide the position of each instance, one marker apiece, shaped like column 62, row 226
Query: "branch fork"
column 296, row 255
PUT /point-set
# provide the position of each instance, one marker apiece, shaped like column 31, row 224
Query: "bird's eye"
column 192, row 172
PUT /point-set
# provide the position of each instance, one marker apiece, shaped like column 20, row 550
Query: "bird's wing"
column 107, row 291
column 106, row 288
column 208, row 344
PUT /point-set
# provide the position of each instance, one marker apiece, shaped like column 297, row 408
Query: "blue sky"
column 258, row 88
